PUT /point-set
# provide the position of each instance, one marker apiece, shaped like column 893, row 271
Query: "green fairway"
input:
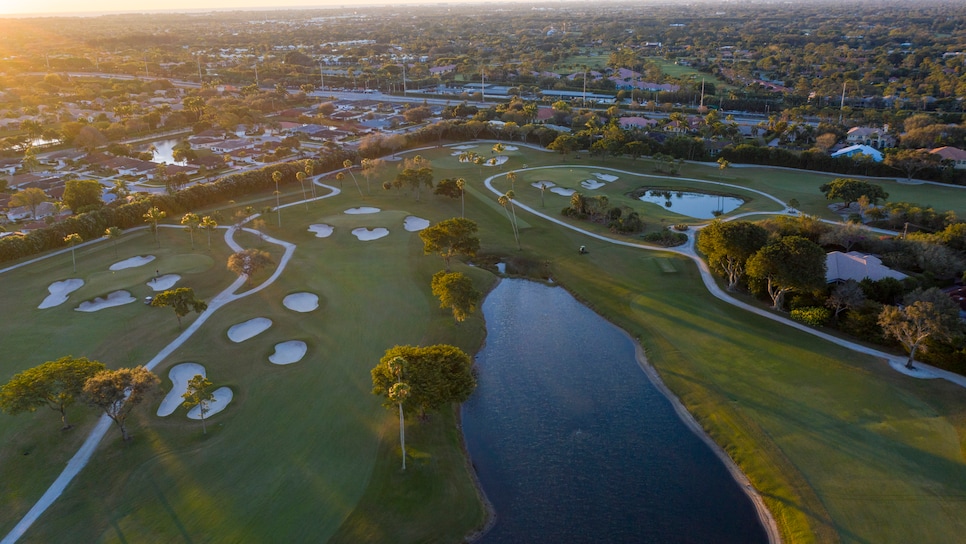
column 841, row 447
column 676, row 70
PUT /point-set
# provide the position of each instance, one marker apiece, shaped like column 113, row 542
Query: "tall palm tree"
column 309, row 170
column 512, row 178
column 398, row 394
column 72, row 240
column 506, row 201
column 209, row 225
column 348, row 166
column 154, row 216
column 277, row 177
column 461, row 185
column 191, row 222
column 112, row 234
column 300, row 176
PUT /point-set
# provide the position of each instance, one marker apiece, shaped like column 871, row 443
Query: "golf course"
column 838, row 445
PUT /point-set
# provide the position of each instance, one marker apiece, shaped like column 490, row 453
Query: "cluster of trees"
column 59, row 384
column 620, row 219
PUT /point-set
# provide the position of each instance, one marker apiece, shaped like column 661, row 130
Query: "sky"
column 79, row 7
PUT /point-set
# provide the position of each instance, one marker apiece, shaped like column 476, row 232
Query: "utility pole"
column 321, row 76
column 483, row 84
column 842, row 104
column 404, row 75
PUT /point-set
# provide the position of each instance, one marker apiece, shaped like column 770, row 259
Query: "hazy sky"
column 50, row 7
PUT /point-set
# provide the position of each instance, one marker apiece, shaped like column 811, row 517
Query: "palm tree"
column 348, row 166
column 154, row 216
column 72, row 240
column 340, row 177
column 398, row 393
column 507, row 202
column 461, row 185
column 209, row 225
column 112, row 234
column 309, row 171
column 512, row 178
column 300, row 176
column 277, row 177
column 191, row 222
column 368, row 166
column 498, row 148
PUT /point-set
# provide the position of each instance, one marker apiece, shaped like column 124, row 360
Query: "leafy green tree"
column 455, row 291
column 248, row 262
column 113, row 234
column 792, row 263
column 154, row 216
column 81, row 194
column 72, row 240
column 191, row 222
column 55, row 384
column 437, row 375
column 564, row 144
column 925, row 314
column 182, row 300
column 845, row 296
column 911, row 161
column 850, row 190
column 448, row 187
column 118, row 392
column 200, row 393
column 728, row 246
column 31, row 197
column 209, row 225
column 451, row 237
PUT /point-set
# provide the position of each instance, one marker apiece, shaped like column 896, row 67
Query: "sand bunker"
column 414, row 224
column 164, row 282
column 301, row 302
column 362, row 210
column 321, row 230
column 180, row 375
column 544, row 184
column 117, row 298
column 133, row 262
column 247, row 329
column 456, row 154
column 464, row 147
column 561, row 191
column 496, row 161
column 59, row 291
column 591, row 184
column 222, row 396
column 289, row 352
column 605, row 177
column 510, row 148
column 366, row 235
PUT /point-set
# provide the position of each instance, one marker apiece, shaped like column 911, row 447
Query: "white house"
column 854, row 150
column 856, row 266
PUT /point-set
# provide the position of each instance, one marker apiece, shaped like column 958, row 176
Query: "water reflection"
column 697, row 205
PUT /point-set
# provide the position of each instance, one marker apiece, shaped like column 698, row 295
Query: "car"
column 148, row 300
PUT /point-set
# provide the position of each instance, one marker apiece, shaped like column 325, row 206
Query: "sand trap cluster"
column 117, row 298
column 544, row 184
column 321, row 230
column 414, row 224
column 301, row 302
column 180, row 375
column 605, row 177
column 464, row 147
column 510, row 148
column 163, row 283
column 362, row 210
column 289, row 352
column 247, row 329
column 222, row 396
column 366, row 235
column 59, row 291
column 496, row 161
column 591, row 184
column 133, row 262
column 561, row 191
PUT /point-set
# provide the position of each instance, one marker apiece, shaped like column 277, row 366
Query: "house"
column 636, row 122
column 854, row 150
column 878, row 138
column 954, row 155
column 840, row 267
column 228, row 146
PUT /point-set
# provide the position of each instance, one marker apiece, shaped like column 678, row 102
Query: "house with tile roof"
column 955, row 155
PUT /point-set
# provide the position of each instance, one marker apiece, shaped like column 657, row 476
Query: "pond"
column 573, row 443
column 164, row 151
column 697, row 205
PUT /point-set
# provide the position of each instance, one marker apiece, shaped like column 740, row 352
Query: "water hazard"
column 573, row 443
column 697, row 205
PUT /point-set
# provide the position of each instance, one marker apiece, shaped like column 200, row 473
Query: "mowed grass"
column 841, row 447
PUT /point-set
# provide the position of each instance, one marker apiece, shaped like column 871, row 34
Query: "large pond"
column 697, row 205
column 573, row 443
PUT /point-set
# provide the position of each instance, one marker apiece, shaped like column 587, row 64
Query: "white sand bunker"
column 414, row 224
column 362, row 210
column 163, row 283
column 544, row 184
column 321, row 230
column 222, row 396
column 301, row 302
column 496, row 161
column 180, row 375
column 465, row 147
column 59, row 291
column 510, row 148
column 456, row 154
column 605, row 177
column 117, row 298
column 133, row 262
column 247, row 329
column 289, row 352
column 366, row 235
column 561, row 191
column 591, row 184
